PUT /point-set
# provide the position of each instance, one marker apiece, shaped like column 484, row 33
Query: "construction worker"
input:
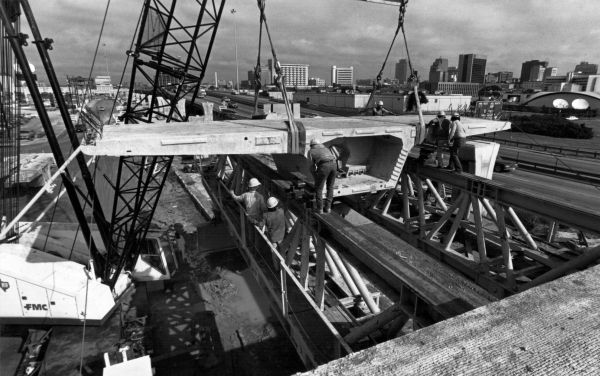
column 379, row 110
column 457, row 139
column 275, row 224
column 253, row 201
column 324, row 169
column 440, row 132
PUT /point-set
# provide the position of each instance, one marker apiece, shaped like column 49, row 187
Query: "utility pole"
column 237, row 68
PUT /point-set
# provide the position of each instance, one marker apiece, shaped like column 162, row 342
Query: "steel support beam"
column 546, row 207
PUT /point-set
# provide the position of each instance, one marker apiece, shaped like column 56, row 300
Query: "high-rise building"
column 402, row 71
column 342, row 75
column 531, row 67
column 586, row 68
column 438, row 71
column 537, row 73
column 471, row 68
column 295, row 74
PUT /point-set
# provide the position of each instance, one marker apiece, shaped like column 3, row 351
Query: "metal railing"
column 566, row 151
column 555, row 169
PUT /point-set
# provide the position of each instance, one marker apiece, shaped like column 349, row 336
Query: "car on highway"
column 27, row 135
column 232, row 105
column 502, row 165
column 225, row 99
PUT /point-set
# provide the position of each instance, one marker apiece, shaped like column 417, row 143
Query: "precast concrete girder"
column 376, row 148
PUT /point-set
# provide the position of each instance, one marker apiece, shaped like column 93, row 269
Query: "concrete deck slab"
column 253, row 136
column 551, row 330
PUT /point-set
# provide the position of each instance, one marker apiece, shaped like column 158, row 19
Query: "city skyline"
column 340, row 32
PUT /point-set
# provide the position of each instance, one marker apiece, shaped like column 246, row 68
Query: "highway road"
column 580, row 195
column 543, row 158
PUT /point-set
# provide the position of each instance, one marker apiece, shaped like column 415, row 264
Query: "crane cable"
column 92, row 272
column 377, row 84
column 297, row 134
column 257, row 70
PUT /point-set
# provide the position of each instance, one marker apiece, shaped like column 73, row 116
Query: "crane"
column 132, row 182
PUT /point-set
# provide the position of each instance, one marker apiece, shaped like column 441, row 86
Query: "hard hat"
column 253, row 183
column 380, row 103
column 272, row 202
column 456, row 114
column 441, row 113
column 314, row 141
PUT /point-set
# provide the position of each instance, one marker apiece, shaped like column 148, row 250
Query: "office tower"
column 402, row 71
column 295, row 74
column 471, row 68
column 438, row 72
column 531, row 67
column 342, row 75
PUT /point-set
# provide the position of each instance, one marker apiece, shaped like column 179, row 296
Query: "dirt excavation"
column 213, row 307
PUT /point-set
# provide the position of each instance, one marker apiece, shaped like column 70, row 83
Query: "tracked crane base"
column 551, row 330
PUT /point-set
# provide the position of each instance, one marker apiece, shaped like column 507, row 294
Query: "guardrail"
column 588, row 153
column 555, row 169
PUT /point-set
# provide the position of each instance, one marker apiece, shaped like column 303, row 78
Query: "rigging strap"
column 377, row 84
column 296, row 132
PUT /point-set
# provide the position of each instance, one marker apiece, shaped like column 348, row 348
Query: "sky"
column 322, row 33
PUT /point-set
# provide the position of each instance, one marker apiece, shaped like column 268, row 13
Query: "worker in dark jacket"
column 274, row 222
column 441, row 131
column 323, row 167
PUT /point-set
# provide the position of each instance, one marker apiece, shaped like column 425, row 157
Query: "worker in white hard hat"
column 379, row 110
column 253, row 201
column 324, row 169
column 457, row 139
column 275, row 223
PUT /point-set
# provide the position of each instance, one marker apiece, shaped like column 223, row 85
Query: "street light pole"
column 237, row 68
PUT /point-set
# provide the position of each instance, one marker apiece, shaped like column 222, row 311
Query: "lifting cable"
column 413, row 77
column 377, row 84
column 296, row 132
column 96, row 51
column 129, row 54
column 91, row 263
column 257, row 71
